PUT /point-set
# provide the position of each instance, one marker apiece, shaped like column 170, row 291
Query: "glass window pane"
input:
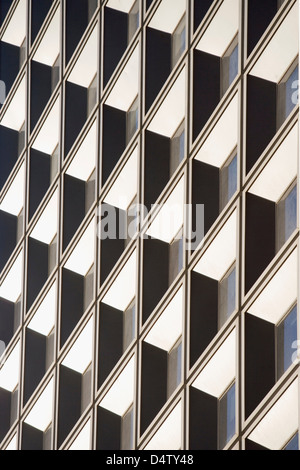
column 290, row 212
column 174, row 368
column 293, row 444
column 228, row 181
column 291, row 92
column 286, row 217
column 179, row 41
column 227, row 417
column 233, row 64
column 286, row 335
column 132, row 119
column 227, row 295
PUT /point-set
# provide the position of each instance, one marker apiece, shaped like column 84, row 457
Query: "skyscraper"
column 149, row 224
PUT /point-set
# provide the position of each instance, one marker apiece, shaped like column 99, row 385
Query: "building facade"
column 149, row 240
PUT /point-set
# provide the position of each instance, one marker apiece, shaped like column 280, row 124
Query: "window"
column 176, row 256
column 177, row 148
column 178, row 41
column 227, row 416
column 229, row 65
column 129, row 325
column 174, row 367
column 228, row 180
column 132, row 221
column 286, row 216
column 227, row 294
column 293, row 444
column 287, row 96
column 92, row 95
column 286, row 335
column 132, row 119
column 133, row 20
column 127, row 427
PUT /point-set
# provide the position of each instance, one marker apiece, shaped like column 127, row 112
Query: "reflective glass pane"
column 227, row 297
column 227, row 417
column 233, row 64
column 286, row 335
column 293, row 444
column 291, row 96
column 291, row 212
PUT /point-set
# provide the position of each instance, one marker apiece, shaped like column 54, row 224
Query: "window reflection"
column 227, row 296
column 286, row 218
column 286, row 335
column 227, row 417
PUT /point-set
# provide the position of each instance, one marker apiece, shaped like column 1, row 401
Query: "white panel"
column 168, row 437
column 280, row 171
column 13, row 444
column 217, row 260
column 281, row 50
column 172, row 111
column 49, row 47
column 122, row 290
column 280, row 423
column 80, row 354
column 9, row 374
column 220, row 371
column 16, row 30
column 223, row 138
column 84, row 161
column 85, row 67
column 46, row 227
column 121, row 394
column 82, row 441
column 279, row 294
column 168, row 327
column 222, row 29
column 127, row 86
column 121, row 5
column 14, row 198
column 44, row 318
column 169, row 220
column 124, row 188
column 12, row 284
column 48, row 137
column 168, row 15
column 82, row 256
column 41, row 414
column 14, row 116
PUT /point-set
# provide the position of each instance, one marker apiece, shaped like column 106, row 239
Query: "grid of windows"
column 149, row 224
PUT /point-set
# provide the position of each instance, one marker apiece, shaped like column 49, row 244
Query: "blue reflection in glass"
column 290, row 213
column 232, row 177
column 291, row 96
column 293, row 444
column 230, row 396
column 289, row 336
column 231, row 293
column 233, row 64
column 227, row 417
